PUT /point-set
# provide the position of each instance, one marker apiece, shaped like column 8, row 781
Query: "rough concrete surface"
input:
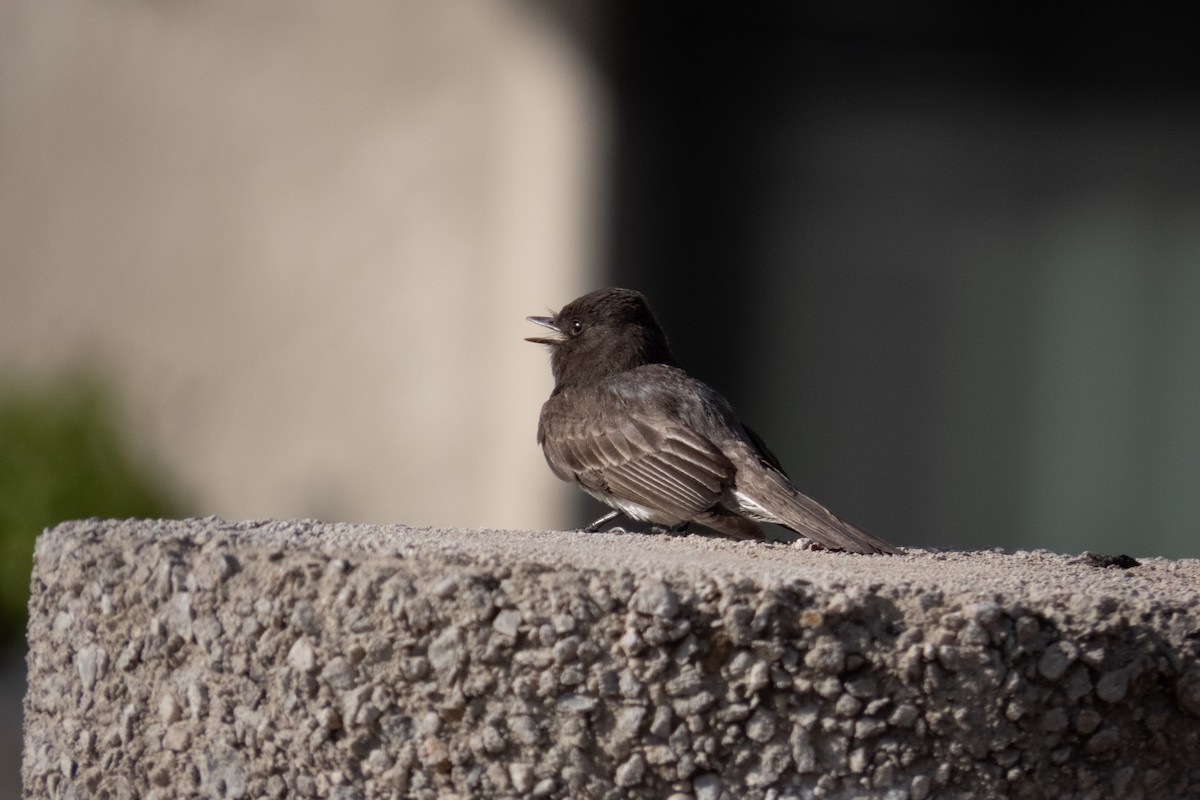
column 303, row 659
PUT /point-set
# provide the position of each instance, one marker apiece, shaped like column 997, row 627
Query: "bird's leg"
column 598, row 524
column 682, row 528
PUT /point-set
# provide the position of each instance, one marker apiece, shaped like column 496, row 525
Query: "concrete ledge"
column 299, row 659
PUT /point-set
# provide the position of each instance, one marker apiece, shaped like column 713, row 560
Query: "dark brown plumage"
column 641, row 435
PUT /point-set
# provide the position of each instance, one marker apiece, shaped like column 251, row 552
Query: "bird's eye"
column 576, row 328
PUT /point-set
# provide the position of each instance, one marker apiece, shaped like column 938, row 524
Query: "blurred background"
column 273, row 259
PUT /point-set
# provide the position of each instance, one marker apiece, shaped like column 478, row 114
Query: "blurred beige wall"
column 301, row 237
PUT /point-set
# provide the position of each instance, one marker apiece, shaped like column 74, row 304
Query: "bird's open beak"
column 545, row 322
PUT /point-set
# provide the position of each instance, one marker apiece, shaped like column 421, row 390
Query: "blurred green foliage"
column 61, row 457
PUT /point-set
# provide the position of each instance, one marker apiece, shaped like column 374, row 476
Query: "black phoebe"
column 644, row 437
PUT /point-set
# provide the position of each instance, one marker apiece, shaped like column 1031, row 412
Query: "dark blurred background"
column 946, row 258
column 273, row 260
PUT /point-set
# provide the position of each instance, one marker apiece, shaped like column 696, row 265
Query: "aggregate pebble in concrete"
column 300, row 659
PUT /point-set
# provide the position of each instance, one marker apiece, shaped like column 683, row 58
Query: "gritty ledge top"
column 1155, row 585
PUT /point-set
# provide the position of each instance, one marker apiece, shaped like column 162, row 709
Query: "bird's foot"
column 674, row 530
column 804, row 543
column 600, row 523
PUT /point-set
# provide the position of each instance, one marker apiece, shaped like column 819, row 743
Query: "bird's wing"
column 764, row 452
column 648, row 460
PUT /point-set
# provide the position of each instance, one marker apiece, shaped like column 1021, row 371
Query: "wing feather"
column 649, row 460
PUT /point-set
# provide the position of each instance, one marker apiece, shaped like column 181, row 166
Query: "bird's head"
column 600, row 334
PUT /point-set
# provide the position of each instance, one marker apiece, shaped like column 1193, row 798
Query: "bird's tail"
column 779, row 502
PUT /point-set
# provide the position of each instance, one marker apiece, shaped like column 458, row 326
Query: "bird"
column 638, row 433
